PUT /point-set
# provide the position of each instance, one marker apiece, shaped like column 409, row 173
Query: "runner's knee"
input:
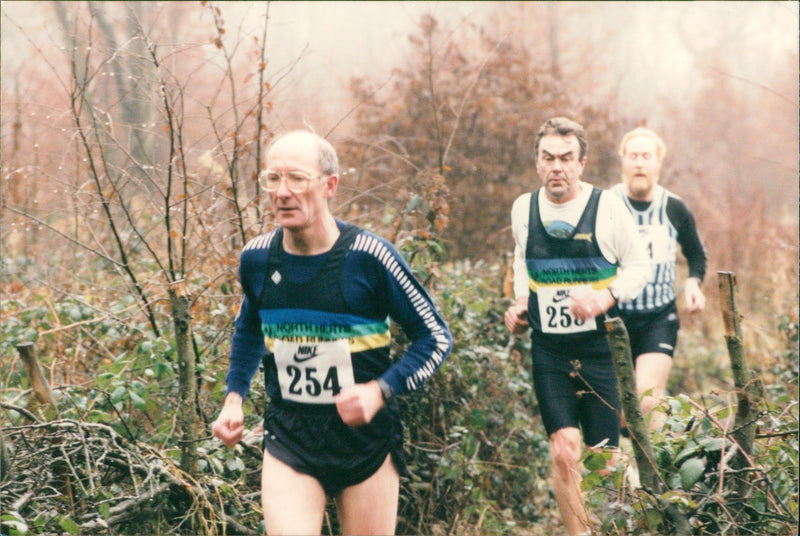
column 565, row 450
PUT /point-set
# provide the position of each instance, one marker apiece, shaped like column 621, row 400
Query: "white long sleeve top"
column 616, row 234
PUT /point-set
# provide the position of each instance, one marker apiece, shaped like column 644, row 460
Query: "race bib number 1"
column 656, row 238
column 554, row 303
column 313, row 372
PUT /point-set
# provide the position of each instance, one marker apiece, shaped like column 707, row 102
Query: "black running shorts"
column 578, row 392
column 655, row 332
column 321, row 445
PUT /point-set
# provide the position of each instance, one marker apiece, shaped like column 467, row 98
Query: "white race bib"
column 313, row 372
column 554, row 314
column 656, row 239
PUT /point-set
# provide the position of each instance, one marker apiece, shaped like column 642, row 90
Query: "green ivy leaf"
column 654, row 519
column 118, row 393
column 595, row 461
column 104, row 379
column 691, row 471
column 664, row 458
column 478, row 419
column 105, row 510
column 686, row 453
column 591, row 481
column 712, row 444
column 75, row 313
column 69, row 525
column 235, row 465
column 137, row 400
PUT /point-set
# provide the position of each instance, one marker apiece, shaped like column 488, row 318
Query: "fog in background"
column 719, row 80
column 652, row 53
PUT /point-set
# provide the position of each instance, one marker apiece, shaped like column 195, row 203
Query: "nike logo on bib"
column 560, row 296
column 304, row 353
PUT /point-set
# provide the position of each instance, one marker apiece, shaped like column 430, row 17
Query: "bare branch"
column 464, row 99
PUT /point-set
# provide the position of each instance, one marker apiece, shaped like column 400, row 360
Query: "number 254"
column 312, row 385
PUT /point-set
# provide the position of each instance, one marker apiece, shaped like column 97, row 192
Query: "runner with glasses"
column 296, row 181
column 319, row 295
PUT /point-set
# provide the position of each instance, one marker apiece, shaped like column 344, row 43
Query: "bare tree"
column 163, row 206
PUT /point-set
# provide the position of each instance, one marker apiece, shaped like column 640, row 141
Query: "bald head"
column 306, row 144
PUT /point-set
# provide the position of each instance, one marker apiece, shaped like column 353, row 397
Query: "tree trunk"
column 187, row 415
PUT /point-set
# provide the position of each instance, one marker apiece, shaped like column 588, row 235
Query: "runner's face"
column 299, row 211
column 640, row 167
column 559, row 167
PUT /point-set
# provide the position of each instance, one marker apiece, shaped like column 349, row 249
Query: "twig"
column 19, row 503
column 121, row 418
column 27, row 414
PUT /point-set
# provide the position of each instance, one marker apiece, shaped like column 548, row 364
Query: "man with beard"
column 664, row 221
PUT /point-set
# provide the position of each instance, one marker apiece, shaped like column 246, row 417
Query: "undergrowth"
column 477, row 453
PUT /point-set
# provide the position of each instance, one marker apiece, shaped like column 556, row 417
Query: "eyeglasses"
column 296, row 182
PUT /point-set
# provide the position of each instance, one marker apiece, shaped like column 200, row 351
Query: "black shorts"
column 319, row 444
column 652, row 332
column 586, row 398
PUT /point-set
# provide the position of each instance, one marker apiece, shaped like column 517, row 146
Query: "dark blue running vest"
column 317, row 309
column 555, row 263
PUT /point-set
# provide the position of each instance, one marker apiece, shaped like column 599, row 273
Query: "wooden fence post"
column 187, row 412
column 44, row 399
column 623, row 366
column 748, row 386
column 649, row 476
column 36, row 379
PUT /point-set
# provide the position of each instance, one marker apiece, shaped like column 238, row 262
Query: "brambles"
column 474, row 442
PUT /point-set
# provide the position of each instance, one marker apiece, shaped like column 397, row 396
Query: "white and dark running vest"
column 661, row 240
column 558, row 267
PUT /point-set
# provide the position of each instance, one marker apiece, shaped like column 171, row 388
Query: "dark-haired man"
column 577, row 254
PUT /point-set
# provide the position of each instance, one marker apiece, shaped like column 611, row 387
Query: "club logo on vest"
column 583, row 236
column 276, row 277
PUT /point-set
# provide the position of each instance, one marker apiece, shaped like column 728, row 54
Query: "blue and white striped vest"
column 661, row 241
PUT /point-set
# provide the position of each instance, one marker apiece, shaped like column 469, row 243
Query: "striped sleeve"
column 411, row 307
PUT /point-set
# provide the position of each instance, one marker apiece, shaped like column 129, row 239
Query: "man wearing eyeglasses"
column 663, row 221
column 318, row 298
column 576, row 255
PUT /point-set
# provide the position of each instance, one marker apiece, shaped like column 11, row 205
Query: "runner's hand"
column 590, row 304
column 229, row 426
column 695, row 300
column 516, row 319
column 357, row 404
